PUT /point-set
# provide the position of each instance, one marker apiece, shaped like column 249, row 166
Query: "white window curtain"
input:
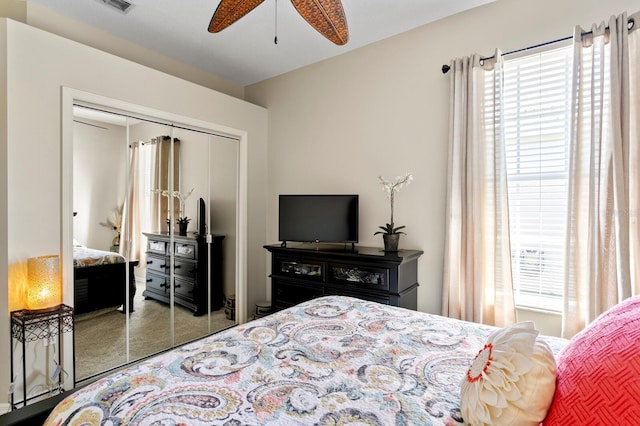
column 602, row 255
column 147, row 210
column 160, row 169
column 477, row 272
column 133, row 215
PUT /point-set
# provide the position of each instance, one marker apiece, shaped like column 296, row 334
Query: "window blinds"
column 536, row 120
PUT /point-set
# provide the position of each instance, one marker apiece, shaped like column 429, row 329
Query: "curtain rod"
column 446, row 68
column 630, row 24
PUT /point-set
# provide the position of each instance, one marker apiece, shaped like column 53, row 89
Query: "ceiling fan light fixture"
column 229, row 11
column 121, row 5
column 325, row 16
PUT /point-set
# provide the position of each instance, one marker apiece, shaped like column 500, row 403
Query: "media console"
column 304, row 272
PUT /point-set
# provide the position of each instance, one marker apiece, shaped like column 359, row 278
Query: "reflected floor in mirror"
column 100, row 336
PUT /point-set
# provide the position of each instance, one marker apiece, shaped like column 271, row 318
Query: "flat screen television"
column 318, row 218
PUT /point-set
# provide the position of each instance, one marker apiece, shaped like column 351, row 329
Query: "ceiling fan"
column 326, row 16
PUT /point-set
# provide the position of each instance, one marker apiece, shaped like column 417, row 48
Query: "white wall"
column 4, row 270
column 99, row 167
column 222, row 211
column 383, row 109
column 35, row 68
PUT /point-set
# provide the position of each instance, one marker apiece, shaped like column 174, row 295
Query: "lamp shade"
column 44, row 284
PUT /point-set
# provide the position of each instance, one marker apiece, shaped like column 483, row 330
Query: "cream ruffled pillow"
column 511, row 381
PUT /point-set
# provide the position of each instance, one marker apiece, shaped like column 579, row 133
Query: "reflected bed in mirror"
column 99, row 279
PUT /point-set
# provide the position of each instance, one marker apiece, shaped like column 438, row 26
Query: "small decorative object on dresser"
column 390, row 232
column 183, row 222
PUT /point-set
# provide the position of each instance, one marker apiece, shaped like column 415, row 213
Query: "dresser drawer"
column 183, row 289
column 159, row 247
column 184, row 268
column 185, row 250
column 157, row 283
column 289, row 294
column 158, row 264
column 344, row 291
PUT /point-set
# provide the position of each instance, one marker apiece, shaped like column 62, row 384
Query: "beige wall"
column 14, row 9
column 35, row 67
column 383, row 109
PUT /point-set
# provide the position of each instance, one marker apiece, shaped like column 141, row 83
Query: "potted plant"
column 390, row 232
column 183, row 222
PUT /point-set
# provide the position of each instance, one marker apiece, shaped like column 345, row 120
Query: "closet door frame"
column 71, row 96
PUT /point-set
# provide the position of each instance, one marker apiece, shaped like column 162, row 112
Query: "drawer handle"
column 177, row 285
column 149, row 262
column 164, row 265
column 177, row 267
column 149, row 280
column 164, row 285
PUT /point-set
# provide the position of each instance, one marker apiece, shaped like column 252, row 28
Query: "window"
column 536, row 108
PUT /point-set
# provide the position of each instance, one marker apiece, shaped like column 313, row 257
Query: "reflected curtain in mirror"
column 148, row 210
column 160, row 179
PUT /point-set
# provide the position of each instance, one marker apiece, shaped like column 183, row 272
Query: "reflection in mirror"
column 205, row 269
column 135, row 258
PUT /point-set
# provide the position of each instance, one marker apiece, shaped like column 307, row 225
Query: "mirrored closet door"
column 155, row 213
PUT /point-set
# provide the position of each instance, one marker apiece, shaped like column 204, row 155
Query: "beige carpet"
column 100, row 336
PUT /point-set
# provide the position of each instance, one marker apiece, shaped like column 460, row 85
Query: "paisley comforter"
column 330, row 361
column 84, row 256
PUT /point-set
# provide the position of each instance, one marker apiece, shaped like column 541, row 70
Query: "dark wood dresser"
column 305, row 272
column 190, row 271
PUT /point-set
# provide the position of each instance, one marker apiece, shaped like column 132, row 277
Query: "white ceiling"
column 245, row 52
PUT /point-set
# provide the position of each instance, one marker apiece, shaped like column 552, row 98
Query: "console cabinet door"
column 359, row 275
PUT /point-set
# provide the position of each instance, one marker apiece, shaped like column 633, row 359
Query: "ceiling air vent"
column 122, row 5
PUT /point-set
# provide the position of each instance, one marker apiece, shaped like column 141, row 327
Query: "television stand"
column 318, row 246
column 305, row 272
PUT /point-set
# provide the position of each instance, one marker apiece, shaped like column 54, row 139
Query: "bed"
column 329, row 361
column 99, row 279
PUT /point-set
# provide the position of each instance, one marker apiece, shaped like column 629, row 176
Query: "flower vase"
column 391, row 242
column 182, row 228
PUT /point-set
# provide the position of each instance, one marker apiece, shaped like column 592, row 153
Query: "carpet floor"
column 100, row 336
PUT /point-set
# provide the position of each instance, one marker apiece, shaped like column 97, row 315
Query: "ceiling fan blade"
column 229, row 11
column 326, row 16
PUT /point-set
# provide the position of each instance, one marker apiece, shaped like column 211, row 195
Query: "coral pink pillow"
column 598, row 379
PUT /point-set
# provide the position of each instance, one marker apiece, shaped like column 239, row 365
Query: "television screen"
column 202, row 218
column 319, row 218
